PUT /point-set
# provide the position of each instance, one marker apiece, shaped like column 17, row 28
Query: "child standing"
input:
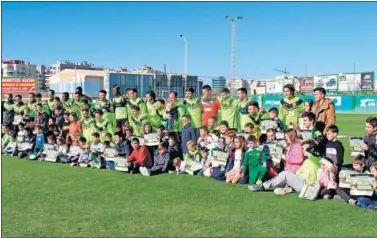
column 254, row 161
column 39, row 143
column 233, row 167
column 370, row 141
column 334, row 148
column 96, row 149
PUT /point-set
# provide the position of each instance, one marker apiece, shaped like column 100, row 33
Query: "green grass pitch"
column 56, row 200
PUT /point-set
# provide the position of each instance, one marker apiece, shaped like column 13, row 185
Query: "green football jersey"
column 119, row 103
column 194, row 109
column 88, row 128
column 243, row 113
column 229, row 109
column 181, row 108
column 137, row 124
column 103, row 127
column 153, row 116
column 137, row 102
column 289, row 110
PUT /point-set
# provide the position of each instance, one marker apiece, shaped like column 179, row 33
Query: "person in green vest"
column 137, row 120
column 102, row 125
column 75, row 106
column 194, row 108
column 290, row 107
column 19, row 107
column 243, row 104
column 82, row 96
column 6, row 136
column 153, row 117
column 161, row 110
column 8, row 110
column 50, row 101
column 181, row 108
column 32, row 104
column 119, row 106
column 87, row 123
column 229, row 109
column 256, row 116
column 104, row 105
column 46, row 109
column 66, row 101
column 134, row 100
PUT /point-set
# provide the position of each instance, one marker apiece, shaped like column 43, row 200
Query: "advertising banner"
column 367, row 81
column 328, row 82
column 271, row 101
column 366, row 104
column 274, row 87
column 18, row 85
column 306, row 84
column 349, row 83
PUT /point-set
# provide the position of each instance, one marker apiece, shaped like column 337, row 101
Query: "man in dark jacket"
column 370, row 142
column 188, row 133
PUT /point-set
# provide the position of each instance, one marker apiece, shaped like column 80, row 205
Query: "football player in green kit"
column 137, row 120
column 104, row 105
column 290, row 107
column 134, row 100
column 256, row 116
column 101, row 125
column 87, row 123
column 50, row 101
column 229, row 109
column 153, row 117
column 66, row 101
column 181, row 108
column 32, row 104
column 119, row 106
column 243, row 104
column 193, row 108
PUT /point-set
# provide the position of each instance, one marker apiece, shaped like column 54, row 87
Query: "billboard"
column 18, row 85
column 306, row 84
column 269, row 102
column 276, row 86
column 366, row 81
column 366, row 104
column 328, row 82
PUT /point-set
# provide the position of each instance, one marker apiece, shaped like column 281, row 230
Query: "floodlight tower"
column 233, row 44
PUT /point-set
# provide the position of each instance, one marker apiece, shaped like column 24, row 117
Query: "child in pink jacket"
column 295, row 154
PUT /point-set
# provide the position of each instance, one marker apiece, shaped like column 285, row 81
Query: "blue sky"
column 328, row 37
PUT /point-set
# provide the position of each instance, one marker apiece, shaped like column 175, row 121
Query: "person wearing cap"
column 118, row 106
column 290, row 107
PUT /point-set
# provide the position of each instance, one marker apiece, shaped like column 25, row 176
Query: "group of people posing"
column 225, row 138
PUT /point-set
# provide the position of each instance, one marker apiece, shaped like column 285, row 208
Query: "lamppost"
column 186, row 58
column 233, row 44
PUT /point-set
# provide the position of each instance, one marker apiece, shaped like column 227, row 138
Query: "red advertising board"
column 306, row 84
column 18, row 85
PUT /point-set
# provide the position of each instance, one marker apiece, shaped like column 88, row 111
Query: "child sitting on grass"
column 206, row 162
column 254, row 162
column 62, row 150
column 29, row 139
column 326, row 178
column 83, row 160
column 192, row 158
column 179, row 166
column 11, row 147
column 233, row 167
column 370, row 203
column 51, row 145
column 161, row 162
